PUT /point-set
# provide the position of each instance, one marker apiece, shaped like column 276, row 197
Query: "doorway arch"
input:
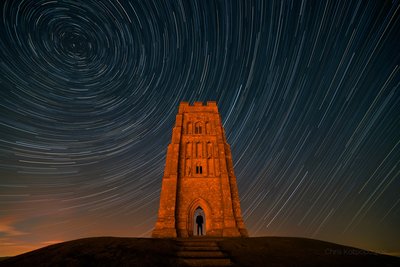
column 197, row 204
column 199, row 212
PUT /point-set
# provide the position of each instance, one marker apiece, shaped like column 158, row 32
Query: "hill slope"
column 256, row 251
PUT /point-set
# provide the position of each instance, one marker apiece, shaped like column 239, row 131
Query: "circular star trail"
column 308, row 92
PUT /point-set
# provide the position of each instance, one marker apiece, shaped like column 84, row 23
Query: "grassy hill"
column 255, row 251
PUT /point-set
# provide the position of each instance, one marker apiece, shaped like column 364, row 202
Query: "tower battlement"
column 198, row 106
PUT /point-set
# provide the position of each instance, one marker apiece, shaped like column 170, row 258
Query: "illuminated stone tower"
column 199, row 176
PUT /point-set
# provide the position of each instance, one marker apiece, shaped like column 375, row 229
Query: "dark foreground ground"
column 256, row 251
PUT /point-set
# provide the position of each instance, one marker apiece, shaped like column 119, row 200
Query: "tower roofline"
column 185, row 106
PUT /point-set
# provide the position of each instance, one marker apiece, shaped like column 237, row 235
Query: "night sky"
column 308, row 91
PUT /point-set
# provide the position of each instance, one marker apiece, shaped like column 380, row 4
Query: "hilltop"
column 253, row 251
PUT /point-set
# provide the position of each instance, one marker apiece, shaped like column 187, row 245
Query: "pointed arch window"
column 199, row 168
column 197, row 128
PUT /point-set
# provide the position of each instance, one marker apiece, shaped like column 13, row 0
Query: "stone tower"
column 199, row 175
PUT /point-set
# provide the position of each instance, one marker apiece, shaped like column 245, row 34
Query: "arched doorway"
column 199, row 212
column 199, row 206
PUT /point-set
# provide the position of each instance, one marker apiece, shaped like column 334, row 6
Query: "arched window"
column 199, row 168
column 197, row 128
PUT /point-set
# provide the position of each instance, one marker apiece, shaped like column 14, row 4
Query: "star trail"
column 308, row 92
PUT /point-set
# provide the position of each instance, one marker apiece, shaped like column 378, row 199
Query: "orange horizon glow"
column 13, row 249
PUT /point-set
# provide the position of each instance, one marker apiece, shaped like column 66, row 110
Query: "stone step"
column 192, row 248
column 203, row 238
column 201, row 254
column 201, row 251
column 198, row 243
column 207, row 262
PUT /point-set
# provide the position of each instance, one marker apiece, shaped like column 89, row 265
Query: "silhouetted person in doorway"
column 199, row 221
